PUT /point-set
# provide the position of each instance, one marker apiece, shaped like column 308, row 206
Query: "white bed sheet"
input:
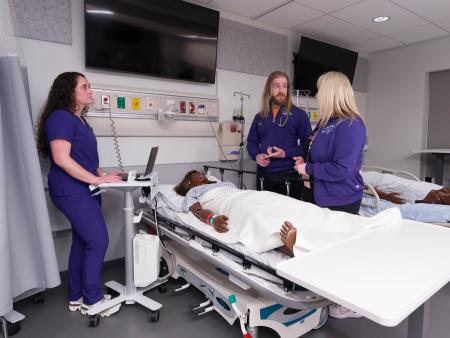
column 269, row 258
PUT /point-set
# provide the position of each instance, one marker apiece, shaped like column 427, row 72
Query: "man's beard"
column 279, row 99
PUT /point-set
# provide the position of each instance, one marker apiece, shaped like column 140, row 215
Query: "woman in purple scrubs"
column 66, row 138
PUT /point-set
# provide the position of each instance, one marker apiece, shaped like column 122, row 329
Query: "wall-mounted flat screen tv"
column 316, row 57
column 164, row 38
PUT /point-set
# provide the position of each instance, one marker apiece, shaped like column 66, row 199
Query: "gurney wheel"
column 323, row 318
column 154, row 316
column 38, row 298
column 94, row 320
column 13, row 328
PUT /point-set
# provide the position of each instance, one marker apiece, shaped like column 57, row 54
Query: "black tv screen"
column 315, row 58
column 165, row 38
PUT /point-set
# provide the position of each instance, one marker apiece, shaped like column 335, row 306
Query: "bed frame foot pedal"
column 198, row 308
column 182, row 287
column 205, row 311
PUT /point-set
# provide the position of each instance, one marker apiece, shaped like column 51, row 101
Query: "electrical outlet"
column 201, row 108
column 105, row 102
column 150, row 104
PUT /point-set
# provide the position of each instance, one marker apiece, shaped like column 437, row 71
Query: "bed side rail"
column 404, row 173
column 370, row 190
column 216, row 246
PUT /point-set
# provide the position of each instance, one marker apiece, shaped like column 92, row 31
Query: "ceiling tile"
column 334, row 30
column 290, row 15
column 444, row 24
column 432, row 10
column 376, row 44
column 248, row 8
column 327, row 6
column 419, row 33
column 362, row 14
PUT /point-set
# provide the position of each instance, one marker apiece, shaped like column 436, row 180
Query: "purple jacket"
column 335, row 160
column 284, row 132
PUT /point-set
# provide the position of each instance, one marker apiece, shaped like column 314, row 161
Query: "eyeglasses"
column 277, row 86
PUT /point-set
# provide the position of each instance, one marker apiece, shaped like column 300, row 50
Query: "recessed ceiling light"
column 379, row 19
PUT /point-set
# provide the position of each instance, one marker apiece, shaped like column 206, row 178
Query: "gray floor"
column 52, row 319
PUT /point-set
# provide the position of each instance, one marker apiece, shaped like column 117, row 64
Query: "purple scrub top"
column 64, row 125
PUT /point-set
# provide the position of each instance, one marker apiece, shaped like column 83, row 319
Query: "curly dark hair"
column 61, row 96
column 183, row 187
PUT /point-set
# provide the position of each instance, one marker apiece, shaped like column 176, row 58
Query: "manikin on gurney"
column 254, row 218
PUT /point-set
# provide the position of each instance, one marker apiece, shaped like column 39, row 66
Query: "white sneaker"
column 75, row 305
column 105, row 313
column 341, row 312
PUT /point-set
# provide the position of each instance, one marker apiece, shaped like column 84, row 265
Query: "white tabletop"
column 384, row 274
column 125, row 184
column 434, row 151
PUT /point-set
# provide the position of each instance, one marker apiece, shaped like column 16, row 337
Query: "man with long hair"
column 276, row 136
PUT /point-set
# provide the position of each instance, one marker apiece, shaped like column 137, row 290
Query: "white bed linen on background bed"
column 410, row 190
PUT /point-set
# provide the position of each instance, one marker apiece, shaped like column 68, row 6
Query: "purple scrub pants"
column 89, row 244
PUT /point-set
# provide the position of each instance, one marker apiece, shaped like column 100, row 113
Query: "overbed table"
column 440, row 156
column 385, row 275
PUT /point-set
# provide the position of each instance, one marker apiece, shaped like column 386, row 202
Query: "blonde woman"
column 275, row 134
column 334, row 155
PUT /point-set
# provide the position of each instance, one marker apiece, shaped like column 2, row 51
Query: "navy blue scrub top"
column 64, row 125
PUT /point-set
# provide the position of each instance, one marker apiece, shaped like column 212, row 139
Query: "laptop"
column 148, row 169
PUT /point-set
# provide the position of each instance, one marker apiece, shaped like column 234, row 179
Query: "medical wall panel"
column 152, row 113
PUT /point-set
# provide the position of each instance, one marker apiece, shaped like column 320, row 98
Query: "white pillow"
column 212, row 178
column 174, row 201
column 170, row 197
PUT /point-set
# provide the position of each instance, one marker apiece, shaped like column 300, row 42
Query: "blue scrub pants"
column 89, row 244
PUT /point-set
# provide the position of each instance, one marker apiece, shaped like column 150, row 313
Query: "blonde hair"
column 267, row 95
column 336, row 98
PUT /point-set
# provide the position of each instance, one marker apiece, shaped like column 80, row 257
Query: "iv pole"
column 241, row 120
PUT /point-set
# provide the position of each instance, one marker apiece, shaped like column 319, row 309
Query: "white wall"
column 397, row 102
column 45, row 60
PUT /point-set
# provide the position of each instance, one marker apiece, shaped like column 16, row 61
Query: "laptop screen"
column 151, row 161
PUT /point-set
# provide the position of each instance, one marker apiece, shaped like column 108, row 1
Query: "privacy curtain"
column 27, row 253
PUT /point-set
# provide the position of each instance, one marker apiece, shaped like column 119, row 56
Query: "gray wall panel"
column 48, row 20
column 250, row 50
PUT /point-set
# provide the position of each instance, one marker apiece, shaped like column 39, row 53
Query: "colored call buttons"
column 121, row 102
column 191, row 107
column 183, row 107
column 136, row 103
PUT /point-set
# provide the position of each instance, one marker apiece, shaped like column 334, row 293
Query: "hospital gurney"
column 429, row 213
column 370, row 273
column 227, row 274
